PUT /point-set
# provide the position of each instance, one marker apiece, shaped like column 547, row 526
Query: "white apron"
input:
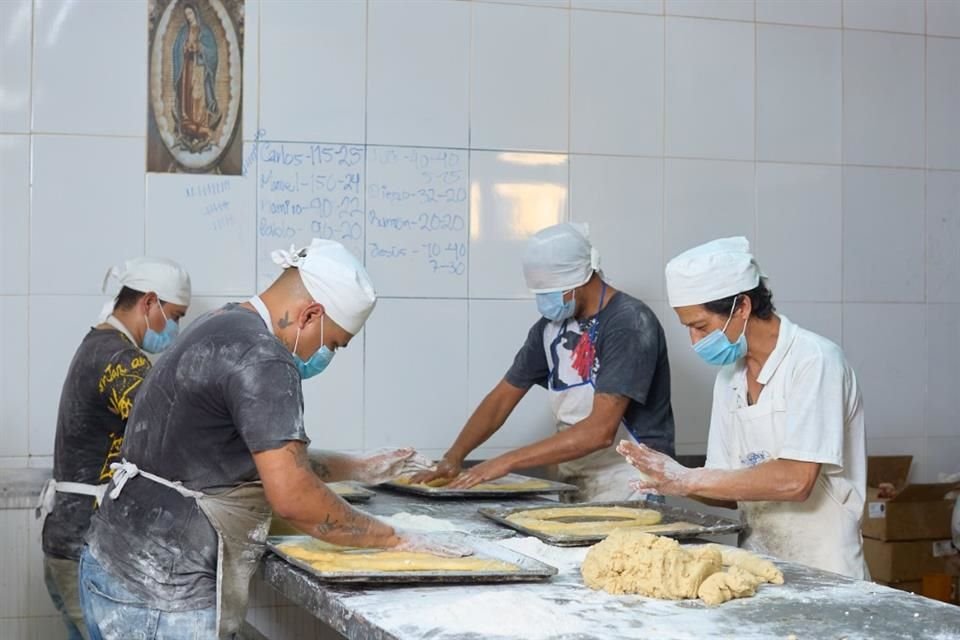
column 48, row 495
column 796, row 531
column 604, row 475
column 241, row 517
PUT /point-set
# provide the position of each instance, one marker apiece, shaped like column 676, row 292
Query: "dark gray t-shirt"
column 631, row 361
column 104, row 377
column 225, row 389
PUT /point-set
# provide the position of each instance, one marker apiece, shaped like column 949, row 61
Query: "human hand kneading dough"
column 484, row 472
column 384, row 466
column 659, row 473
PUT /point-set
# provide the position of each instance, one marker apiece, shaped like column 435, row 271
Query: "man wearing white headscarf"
column 786, row 440
column 98, row 394
column 602, row 356
column 216, row 445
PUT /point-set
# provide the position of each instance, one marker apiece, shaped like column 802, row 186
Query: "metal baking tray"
column 351, row 492
column 529, row 570
column 443, row 492
column 707, row 524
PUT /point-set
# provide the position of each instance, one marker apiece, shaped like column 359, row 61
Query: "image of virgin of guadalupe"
column 195, row 111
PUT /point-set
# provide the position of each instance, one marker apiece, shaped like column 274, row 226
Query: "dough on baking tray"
column 589, row 520
column 329, row 558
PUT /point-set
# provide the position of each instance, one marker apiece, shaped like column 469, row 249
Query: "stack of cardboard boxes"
column 907, row 536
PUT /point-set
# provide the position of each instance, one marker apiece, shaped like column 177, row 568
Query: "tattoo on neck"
column 284, row 322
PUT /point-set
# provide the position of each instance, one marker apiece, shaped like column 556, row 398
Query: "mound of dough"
column 587, row 520
column 523, row 485
column 632, row 561
column 327, row 558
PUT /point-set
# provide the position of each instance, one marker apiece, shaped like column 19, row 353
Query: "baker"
column 601, row 354
column 786, row 439
column 99, row 391
column 216, row 444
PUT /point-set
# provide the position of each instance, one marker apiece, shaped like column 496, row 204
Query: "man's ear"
column 312, row 312
column 149, row 300
column 746, row 305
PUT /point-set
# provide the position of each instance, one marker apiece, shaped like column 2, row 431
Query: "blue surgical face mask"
column 316, row 363
column 716, row 349
column 154, row 342
column 552, row 307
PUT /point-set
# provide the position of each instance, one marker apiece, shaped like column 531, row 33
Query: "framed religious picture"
column 195, row 86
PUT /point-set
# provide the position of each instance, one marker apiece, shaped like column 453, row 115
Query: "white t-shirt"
column 810, row 410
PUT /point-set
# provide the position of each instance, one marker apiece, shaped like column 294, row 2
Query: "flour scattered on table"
column 415, row 522
column 563, row 558
column 518, row 615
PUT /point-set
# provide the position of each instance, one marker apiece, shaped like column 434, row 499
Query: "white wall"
column 823, row 130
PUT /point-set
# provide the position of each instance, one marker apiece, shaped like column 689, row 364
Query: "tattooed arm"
column 332, row 467
column 297, row 493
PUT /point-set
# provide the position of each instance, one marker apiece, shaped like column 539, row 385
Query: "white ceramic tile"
column 418, row 75
column 943, row 18
column 68, row 94
column 14, row 213
column 16, row 16
column 313, row 57
column 559, row 4
column 799, row 107
column 914, row 445
column 943, row 354
column 57, row 326
column 710, row 89
column 13, row 462
column 943, row 103
column 727, row 9
column 498, row 328
column 883, row 235
column 622, row 200
column 943, row 236
column 798, row 207
column 824, row 318
column 44, row 627
column 38, row 599
column 14, row 628
column 251, row 69
column 883, row 99
column 13, row 383
column 333, row 401
column 810, row 13
column 889, row 367
column 87, row 210
column 188, row 215
column 691, row 382
column 40, row 462
column 13, row 562
column 417, row 221
column 941, row 460
column 616, row 81
column 512, row 196
column 652, row 7
column 706, row 200
column 905, row 16
column 520, row 78
column 415, row 387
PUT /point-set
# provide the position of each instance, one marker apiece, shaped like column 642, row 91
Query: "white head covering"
column 713, row 271
column 559, row 258
column 164, row 277
column 335, row 279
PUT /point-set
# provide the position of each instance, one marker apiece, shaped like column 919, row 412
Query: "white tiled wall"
column 823, row 130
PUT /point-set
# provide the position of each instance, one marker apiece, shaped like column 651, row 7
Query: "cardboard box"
column 916, row 512
column 916, row 586
column 905, row 561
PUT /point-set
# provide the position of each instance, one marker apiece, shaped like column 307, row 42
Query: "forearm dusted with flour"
column 298, row 494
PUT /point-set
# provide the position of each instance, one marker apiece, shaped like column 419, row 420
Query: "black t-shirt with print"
column 104, row 377
column 630, row 360
column 225, row 389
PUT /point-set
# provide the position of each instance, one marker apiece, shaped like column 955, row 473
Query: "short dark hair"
column 761, row 302
column 127, row 298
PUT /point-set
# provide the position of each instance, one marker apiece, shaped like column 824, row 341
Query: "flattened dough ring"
column 546, row 519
